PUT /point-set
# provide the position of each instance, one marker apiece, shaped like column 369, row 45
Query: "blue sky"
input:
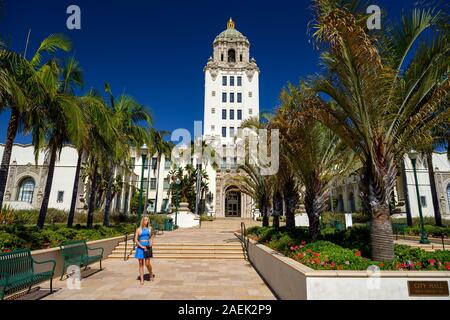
column 155, row 50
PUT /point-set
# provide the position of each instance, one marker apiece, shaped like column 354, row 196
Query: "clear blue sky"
column 155, row 50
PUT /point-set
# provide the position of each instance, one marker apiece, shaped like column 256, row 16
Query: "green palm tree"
column 22, row 91
column 323, row 157
column 131, row 123
column 98, row 128
column 62, row 121
column 160, row 147
column 385, row 96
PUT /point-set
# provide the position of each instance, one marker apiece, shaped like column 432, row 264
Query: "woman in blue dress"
column 144, row 238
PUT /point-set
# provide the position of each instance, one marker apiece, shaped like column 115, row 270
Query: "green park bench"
column 76, row 253
column 17, row 272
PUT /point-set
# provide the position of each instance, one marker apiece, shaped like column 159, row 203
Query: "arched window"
column 351, row 202
column 448, row 196
column 26, row 190
column 231, row 55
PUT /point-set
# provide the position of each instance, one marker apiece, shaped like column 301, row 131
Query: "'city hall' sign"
column 428, row 288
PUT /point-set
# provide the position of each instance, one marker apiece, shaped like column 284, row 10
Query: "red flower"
column 300, row 255
column 332, row 265
column 432, row 262
column 358, row 253
column 303, row 242
column 381, row 265
column 309, row 251
column 315, row 254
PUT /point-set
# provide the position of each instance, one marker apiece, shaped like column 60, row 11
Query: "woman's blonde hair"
column 142, row 222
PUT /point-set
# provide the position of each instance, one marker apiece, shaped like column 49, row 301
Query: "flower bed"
column 343, row 253
column 20, row 236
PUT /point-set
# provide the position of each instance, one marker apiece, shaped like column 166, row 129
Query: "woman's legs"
column 149, row 267
column 141, row 270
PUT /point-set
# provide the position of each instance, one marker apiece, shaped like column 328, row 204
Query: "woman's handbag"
column 148, row 253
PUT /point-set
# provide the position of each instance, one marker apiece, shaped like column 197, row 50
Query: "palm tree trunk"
column 314, row 204
column 277, row 209
column 382, row 241
column 108, row 195
column 10, row 137
column 48, row 189
column 406, row 195
column 90, row 220
column 264, row 210
column 437, row 210
column 291, row 198
column 75, row 191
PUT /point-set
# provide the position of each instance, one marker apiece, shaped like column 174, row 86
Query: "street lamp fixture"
column 413, row 155
column 144, row 152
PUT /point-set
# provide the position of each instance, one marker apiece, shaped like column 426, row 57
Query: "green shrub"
column 416, row 221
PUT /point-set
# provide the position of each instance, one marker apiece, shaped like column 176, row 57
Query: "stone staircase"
column 185, row 251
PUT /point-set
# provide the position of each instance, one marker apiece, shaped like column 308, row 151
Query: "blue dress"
column 144, row 240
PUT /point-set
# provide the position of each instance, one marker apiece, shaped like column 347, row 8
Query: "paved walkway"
column 176, row 279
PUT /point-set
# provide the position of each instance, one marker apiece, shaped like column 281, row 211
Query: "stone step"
column 181, row 257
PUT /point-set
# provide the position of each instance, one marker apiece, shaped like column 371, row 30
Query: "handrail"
column 125, row 251
column 127, row 255
column 244, row 238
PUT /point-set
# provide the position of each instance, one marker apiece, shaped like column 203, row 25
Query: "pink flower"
column 303, row 243
column 432, row 262
column 332, row 265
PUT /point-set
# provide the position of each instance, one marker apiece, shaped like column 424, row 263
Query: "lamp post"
column 177, row 199
column 423, row 235
column 144, row 151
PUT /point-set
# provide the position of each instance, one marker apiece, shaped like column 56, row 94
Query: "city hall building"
column 231, row 96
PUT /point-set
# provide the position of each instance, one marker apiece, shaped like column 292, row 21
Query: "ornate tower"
column 231, row 96
column 231, row 85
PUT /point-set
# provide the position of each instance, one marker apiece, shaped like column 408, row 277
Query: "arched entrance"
column 232, row 202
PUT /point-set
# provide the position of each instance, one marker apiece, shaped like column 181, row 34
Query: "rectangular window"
column 231, row 97
column 231, row 114
column 224, row 114
column 423, row 201
column 224, row 132
column 224, row 97
column 239, row 81
column 250, row 94
column 60, row 197
column 165, row 205
column 213, row 110
column 133, row 163
column 154, row 163
column 145, row 185
column 213, row 93
column 166, row 184
column 146, row 163
column 213, row 128
column 239, row 114
column 231, row 81
column 153, row 184
column 239, row 97
column 151, row 205
column 167, row 164
column 223, row 164
column 250, row 111
column 224, row 80
column 231, row 131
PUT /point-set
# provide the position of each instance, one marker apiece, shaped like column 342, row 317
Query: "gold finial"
column 231, row 24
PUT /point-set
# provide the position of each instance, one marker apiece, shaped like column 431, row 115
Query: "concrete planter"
column 291, row 280
column 108, row 246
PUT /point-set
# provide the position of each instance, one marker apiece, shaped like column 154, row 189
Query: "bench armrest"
column 99, row 248
column 47, row 261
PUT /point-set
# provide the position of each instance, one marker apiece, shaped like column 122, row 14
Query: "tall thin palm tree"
column 62, row 120
column 385, row 96
column 160, row 147
column 22, row 91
